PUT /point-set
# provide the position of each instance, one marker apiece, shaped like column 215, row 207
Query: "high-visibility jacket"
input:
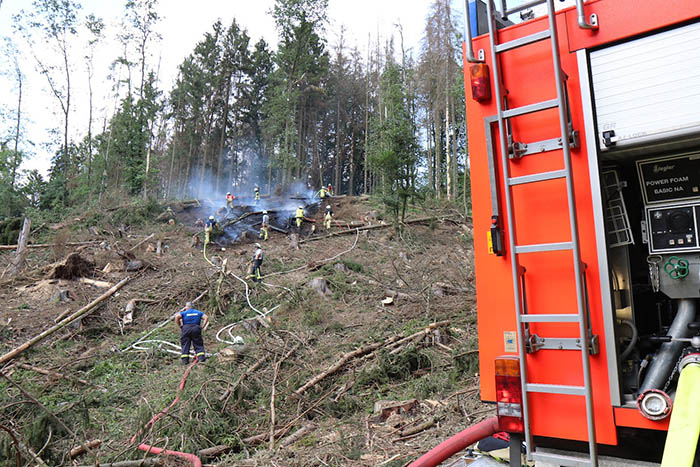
column 265, row 220
column 230, row 197
column 322, row 193
column 300, row 213
column 257, row 194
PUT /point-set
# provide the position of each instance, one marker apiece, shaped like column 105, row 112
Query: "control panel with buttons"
column 673, row 228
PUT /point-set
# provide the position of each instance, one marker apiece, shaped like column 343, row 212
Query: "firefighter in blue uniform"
column 191, row 322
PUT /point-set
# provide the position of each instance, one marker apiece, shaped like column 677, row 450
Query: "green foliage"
column 138, row 213
column 344, row 407
column 313, row 316
column 393, row 367
column 393, row 147
column 355, row 267
column 9, row 230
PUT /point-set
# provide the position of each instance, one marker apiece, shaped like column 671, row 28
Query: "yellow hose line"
column 684, row 429
column 204, row 251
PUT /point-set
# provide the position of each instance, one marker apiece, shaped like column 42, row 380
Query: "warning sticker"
column 670, row 178
column 510, row 339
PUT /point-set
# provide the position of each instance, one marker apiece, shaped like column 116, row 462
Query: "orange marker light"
column 481, row 83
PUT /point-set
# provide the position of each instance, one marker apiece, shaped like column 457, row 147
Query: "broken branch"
column 338, row 365
column 53, row 374
column 141, row 242
column 80, row 450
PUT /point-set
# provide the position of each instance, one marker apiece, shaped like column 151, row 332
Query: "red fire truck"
column 584, row 145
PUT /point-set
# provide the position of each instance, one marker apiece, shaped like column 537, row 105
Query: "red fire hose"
column 152, row 449
column 458, row 442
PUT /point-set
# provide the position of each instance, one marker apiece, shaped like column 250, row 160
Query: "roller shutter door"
column 648, row 89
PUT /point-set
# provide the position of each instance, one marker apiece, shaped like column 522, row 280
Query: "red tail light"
column 509, row 395
column 481, row 83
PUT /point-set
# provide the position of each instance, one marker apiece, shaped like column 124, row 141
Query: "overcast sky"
column 183, row 24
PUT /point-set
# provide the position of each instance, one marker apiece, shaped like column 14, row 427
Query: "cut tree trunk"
column 18, row 261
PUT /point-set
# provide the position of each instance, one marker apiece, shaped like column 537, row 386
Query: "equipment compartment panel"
column 673, row 229
column 675, row 178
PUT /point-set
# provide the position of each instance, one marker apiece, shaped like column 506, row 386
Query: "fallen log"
column 339, row 364
column 77, row 315
column 214, row 451
column 50, row 245
column 80, row 450
column 368, row 349
column 371, row 227
column 416, row 429
column 262, row 437
column 240, row 218
column 102, row 284
column 419, row 335
column 297, row 435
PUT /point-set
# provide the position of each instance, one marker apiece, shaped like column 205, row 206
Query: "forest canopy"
column 384, row 120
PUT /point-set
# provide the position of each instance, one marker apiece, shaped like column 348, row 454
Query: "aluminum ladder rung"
column 528, row 109
column 549, row 318
column 560, row 459
column 556, row 389
column 540, row 247
column 504, row 115
column 540, row 177
column 522, row 41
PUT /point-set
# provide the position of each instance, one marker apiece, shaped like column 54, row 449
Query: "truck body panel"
column 541, row 214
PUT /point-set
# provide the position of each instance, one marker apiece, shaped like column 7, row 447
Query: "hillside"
column 337, row 325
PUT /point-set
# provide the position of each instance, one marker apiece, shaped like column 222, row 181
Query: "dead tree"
column 18, row 261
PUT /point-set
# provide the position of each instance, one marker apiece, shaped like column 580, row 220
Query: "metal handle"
column 468, row 38
column 582, row 17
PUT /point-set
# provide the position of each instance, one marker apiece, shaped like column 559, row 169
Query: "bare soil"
column 425, row 268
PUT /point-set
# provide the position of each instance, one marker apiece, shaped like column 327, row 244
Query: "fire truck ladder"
column 523, row 318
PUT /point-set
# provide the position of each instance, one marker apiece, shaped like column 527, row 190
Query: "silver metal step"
column 562, row 460
column 542, row 318
column 540, row 247
column 521, row 41
column 556, row 389
column 528, row 109
column 539, row 177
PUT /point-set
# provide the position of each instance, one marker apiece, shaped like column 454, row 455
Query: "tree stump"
column 18, row 261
